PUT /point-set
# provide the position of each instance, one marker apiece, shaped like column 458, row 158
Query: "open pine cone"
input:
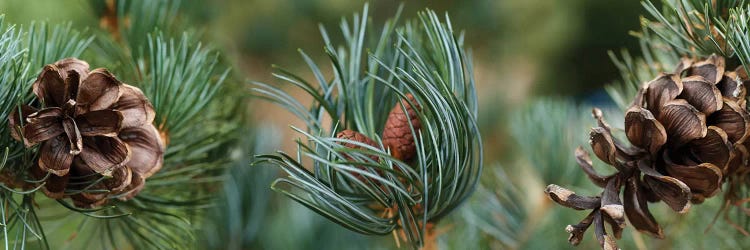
column 95, row 133
column 688, row 130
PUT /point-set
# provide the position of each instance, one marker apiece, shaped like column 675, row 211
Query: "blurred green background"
column 523, row 50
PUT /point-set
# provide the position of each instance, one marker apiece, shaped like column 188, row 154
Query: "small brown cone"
column 355, row 136
column 358, row 137
column 397, row 134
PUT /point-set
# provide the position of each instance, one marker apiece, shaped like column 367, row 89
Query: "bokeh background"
column 522, row 48
column 524, row 51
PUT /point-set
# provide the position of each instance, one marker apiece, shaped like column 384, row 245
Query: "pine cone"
column 355, row 136
column 687, row 129
column 397, row 134
column 358, row 137
column 90, row 126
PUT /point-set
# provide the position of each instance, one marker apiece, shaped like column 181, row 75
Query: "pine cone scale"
column 570, row 199
column 146, row 149
column 612, row 206
column 711, row 69
column 662, row 90
column 673, row 192
column 701, row 94
column 51, row 88
column 637, row 210
column 576, row 231
column 713, row 148
column 704, row 179
column 43, row 125
column 738, row 158
column 54, row 156
column 732, row 86
column 16, row 119
column 603, row 145
column 682, row 121
column 584, row 161
column 100, row 90
column 733, row 119
column 99, row 123
column 104, row 154
column 643, row 130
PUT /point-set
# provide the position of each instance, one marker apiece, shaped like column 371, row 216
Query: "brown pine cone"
column 358, row 137
column 90, row 125
column 397, row 135
column 688, row 130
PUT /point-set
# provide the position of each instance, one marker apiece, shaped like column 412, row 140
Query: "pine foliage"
column 423, row 57
column 182, row 78
column 676, row 29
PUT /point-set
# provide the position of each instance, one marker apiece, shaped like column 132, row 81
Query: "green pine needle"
column 423, row 57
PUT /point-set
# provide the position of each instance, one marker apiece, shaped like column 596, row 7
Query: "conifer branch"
column 184, row 80
column 682, row 32
column 181, row 76
column 363, row 187
column 22, row 53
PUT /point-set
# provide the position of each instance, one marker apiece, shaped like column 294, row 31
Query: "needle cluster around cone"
column 95, row 134
column 687, row 130
column 397, row 134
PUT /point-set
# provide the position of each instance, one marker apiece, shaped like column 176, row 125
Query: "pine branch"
column 499, row 210
column 182, row 81
column 346, row 185
column 240, row 216
column 506, row 216
column 657, row 56
column 128, row 29
column 15, row 84
column 684, row 30
column 182, row 78
column 699, row 28
column 505, row 211
column 560, row 123
column 139, row 18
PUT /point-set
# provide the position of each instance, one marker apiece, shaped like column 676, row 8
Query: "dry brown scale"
column 89, row 126
column 688, row 132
